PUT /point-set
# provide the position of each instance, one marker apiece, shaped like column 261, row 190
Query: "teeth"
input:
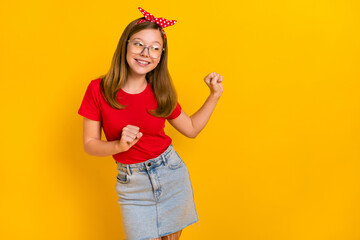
column 142, row 62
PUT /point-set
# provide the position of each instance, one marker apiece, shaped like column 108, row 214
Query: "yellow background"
column 279, row 159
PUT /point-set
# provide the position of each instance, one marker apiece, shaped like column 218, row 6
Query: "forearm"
column 202, row 116
column 101, row 148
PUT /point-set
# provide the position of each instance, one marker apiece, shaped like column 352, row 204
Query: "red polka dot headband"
column 162, row 22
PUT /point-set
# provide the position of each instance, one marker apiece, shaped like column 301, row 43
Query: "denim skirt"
column 156, row 197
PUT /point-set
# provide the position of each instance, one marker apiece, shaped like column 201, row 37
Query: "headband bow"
column 162, row 22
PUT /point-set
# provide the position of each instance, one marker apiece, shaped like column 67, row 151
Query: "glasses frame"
column 146, row 46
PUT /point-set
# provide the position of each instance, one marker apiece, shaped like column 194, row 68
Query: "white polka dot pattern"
column 162, row 22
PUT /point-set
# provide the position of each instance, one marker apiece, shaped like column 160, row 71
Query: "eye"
column 155, row 48
column 138, row 44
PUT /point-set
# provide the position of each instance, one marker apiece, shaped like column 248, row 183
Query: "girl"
column 131, row 103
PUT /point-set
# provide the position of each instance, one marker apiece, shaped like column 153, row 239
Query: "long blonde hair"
column 159, row 78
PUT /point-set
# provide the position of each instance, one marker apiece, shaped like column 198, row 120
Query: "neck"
column 135, row 84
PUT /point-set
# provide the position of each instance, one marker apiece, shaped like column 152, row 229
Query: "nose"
column 145, row 53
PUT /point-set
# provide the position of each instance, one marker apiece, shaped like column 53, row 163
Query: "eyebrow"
column 143, row 40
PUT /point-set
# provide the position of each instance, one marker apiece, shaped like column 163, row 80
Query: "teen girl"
column 131, row 103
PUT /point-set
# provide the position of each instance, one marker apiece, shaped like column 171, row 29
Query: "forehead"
column 148, row 36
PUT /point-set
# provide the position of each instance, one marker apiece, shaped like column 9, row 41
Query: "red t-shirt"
column 154, row 140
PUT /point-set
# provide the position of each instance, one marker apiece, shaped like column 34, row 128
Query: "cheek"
column 157, row 62
column 127, row 58
column 129, row 55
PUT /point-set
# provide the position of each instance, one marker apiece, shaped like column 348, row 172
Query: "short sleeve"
column 175, row 113
column 90, row 106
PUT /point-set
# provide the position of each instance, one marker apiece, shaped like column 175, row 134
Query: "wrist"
column 118, row 148
column 215, row 96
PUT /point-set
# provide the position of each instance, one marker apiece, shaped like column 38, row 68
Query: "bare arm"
column 93, row 145
column 192, row 126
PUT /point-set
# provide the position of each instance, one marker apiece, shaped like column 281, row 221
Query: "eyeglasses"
column 136, row 46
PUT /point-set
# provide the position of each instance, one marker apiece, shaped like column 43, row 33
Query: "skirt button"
column 149, row 164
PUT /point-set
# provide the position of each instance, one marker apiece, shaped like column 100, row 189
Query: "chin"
column 142, row 71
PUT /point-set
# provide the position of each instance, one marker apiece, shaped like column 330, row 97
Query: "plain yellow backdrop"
column 278, row 160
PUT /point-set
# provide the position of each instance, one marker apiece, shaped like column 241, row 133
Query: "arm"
column 192, row 126
column 93, row 145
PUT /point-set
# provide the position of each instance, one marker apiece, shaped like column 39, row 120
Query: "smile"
column 142, row 62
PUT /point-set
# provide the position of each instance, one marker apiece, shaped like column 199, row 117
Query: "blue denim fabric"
column 156, row 196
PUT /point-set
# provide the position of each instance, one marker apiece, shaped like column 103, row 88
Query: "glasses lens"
column 137, row 47
column 155, row 51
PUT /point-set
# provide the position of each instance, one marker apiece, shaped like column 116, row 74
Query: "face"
column 149, row 37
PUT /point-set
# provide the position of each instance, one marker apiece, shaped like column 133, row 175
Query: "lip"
column 140, row 64
column 142, row 60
